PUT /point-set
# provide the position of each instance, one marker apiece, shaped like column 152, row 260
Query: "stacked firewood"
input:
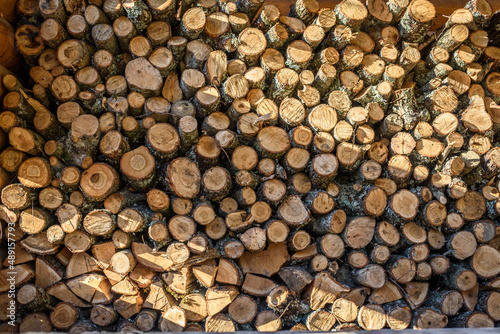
column 216, row 165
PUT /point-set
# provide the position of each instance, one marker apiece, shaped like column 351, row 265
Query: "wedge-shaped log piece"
column 93, row 288
column 295, row 278
column 180, row 282
column 145, row 256
column 416, row 293
column 45, row 273
column 389, row 292
column 158, row 298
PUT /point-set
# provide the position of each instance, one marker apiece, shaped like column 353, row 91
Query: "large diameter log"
column 35, row 173
column 28, row 41
column 26, row 141
column 143, row 77
column 359, row 232
column 73, row 54
column 64, row 316
column 99, row 181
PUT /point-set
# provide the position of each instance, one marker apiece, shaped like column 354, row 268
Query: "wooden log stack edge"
column 225, row 166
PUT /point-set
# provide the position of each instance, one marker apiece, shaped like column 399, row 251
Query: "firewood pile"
column 218, row 166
